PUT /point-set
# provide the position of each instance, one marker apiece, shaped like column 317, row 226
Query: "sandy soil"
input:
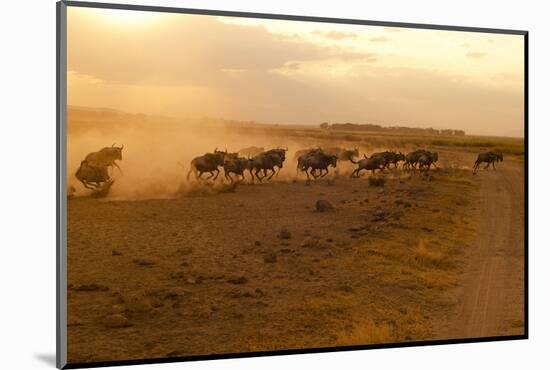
column 218, row 273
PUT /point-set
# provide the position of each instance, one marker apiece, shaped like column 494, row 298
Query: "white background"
column 27, row 182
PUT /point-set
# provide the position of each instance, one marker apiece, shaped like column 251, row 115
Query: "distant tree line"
column 399, row 129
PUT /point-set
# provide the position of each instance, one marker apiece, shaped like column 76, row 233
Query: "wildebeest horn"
column 364, row 155
column 122, row 147
column 112, row 146
column 215, row 150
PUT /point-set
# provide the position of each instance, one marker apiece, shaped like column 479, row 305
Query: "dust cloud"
column 158, row 151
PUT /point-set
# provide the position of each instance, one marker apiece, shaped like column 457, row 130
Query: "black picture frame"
column 61, row 196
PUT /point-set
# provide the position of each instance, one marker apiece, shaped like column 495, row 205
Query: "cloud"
column 393, row 29
column 336, row 35
column 379, row 39
column 475, row 55
column 198, row 49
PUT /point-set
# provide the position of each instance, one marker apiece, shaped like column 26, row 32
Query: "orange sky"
column 294, row 72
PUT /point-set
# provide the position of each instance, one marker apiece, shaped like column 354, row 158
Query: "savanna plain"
column 166, row 266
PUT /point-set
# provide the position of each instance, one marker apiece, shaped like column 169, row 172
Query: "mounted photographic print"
column 235, row 184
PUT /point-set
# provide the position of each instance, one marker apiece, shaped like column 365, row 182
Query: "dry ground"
column 211, row 273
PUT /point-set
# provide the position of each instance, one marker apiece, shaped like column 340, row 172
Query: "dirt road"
column 493, row 289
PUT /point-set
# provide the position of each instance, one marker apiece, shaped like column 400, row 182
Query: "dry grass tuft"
column 368, row 332
column 427, row 257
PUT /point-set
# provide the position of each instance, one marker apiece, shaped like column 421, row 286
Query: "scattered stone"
column 284, row 234
column 323, row 205
column 93, row 287
column 345, row 288
column 257, row 243
column 185, row 250
column 270, row 258
column 175, row 233
column 310, row 242
column 379, row 216
column 427, row 229
column 174, row 292
column 143, row 262
column 117, row 308
column 116, row 321
column 116, row 252
column 356, row 228
column 137, row 302
column 191, row 280
column 238, row 280
column 286, row 250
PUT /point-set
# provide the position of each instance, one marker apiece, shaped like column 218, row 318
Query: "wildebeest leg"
column 494, row 168
column 217, row 173
column 228, row 176
column 211, row 175
column 256, row 173
column 488, row 164
column 312, row 173
column 326, row 173
column 273, row 173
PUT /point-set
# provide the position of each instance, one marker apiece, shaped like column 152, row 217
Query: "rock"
column 323, row 205
column 117, row 308
column 191, row 280
column 284, row 234
column 270, row 258
column 143, row 262
column 116, row 321
column 257, row 243
column 93, row 287
column 238, row 280
column 185, row 251
column 174, row 292
column 137, row 302
column 379, row 216
column 310, row 242
column 286, row 250
column 116, row 252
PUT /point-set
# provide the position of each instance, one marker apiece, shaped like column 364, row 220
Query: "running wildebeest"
column 207, row 163
column 279, row 156
column 236, row 165
column 93, row 177
column 314, row 161
column 372, row 163
column 251, row 151
column 421, row 155
column 390, row 158
column 266, row 161
column 489, row 158
column 105, row 157
column 427, row 159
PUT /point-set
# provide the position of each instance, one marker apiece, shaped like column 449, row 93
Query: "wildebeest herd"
column 262, row 164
